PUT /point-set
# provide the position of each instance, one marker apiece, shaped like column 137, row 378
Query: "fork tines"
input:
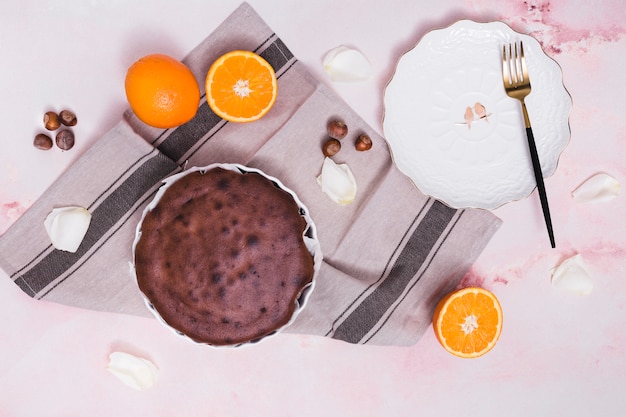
column 514, row 63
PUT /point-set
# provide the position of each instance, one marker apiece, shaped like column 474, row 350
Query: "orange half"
column 468, row 322
column 241, row 86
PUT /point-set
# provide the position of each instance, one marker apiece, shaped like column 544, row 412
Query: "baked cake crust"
column 222, row 258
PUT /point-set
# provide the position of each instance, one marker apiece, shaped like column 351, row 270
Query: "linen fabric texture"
column 388, row 257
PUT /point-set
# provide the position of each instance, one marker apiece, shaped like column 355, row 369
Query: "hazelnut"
column 42, row 141
column 331, row 147
column 337, row 129
column 51, row 120
column 363, row 143
column 68, row 118
column 65, row 139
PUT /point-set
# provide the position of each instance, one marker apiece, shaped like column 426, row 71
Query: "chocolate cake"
column 221, row 256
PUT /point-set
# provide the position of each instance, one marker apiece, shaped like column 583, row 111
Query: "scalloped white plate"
column 484, row 163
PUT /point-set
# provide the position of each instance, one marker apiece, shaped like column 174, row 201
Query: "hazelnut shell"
column 42, row 141
column 337, row 129
column 331, row 147
column 363, row 143
column 65, row 139
column 68, row 118
column 51, row 120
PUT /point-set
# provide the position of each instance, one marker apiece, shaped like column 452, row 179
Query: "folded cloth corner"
column 388, row 257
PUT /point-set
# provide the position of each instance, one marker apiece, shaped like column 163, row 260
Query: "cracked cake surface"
column 222, row 258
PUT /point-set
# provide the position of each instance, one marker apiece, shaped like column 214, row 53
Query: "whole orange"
column 162, row 91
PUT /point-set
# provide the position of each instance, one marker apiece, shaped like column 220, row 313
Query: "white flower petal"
column 67, row 226
column 600, row 187
column 136, row 372
column 571, row 275
column 347, row 64
column 337, row 182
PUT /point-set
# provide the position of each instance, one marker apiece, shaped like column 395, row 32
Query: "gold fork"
column 517, row 86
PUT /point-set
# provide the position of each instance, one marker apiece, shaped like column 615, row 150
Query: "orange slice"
column 241, row 86
column 468, row 322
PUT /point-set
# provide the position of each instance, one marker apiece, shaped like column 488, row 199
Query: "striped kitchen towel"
column 388, row 257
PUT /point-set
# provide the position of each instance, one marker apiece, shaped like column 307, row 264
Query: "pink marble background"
column 559, row 353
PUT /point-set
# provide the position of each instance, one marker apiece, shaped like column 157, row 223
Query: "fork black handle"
column 540, row 185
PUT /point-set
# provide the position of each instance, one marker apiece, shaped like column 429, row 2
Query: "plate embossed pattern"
column 482, row 162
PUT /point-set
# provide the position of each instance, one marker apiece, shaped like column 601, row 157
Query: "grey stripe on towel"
column 38, row 274
column 421, row 243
